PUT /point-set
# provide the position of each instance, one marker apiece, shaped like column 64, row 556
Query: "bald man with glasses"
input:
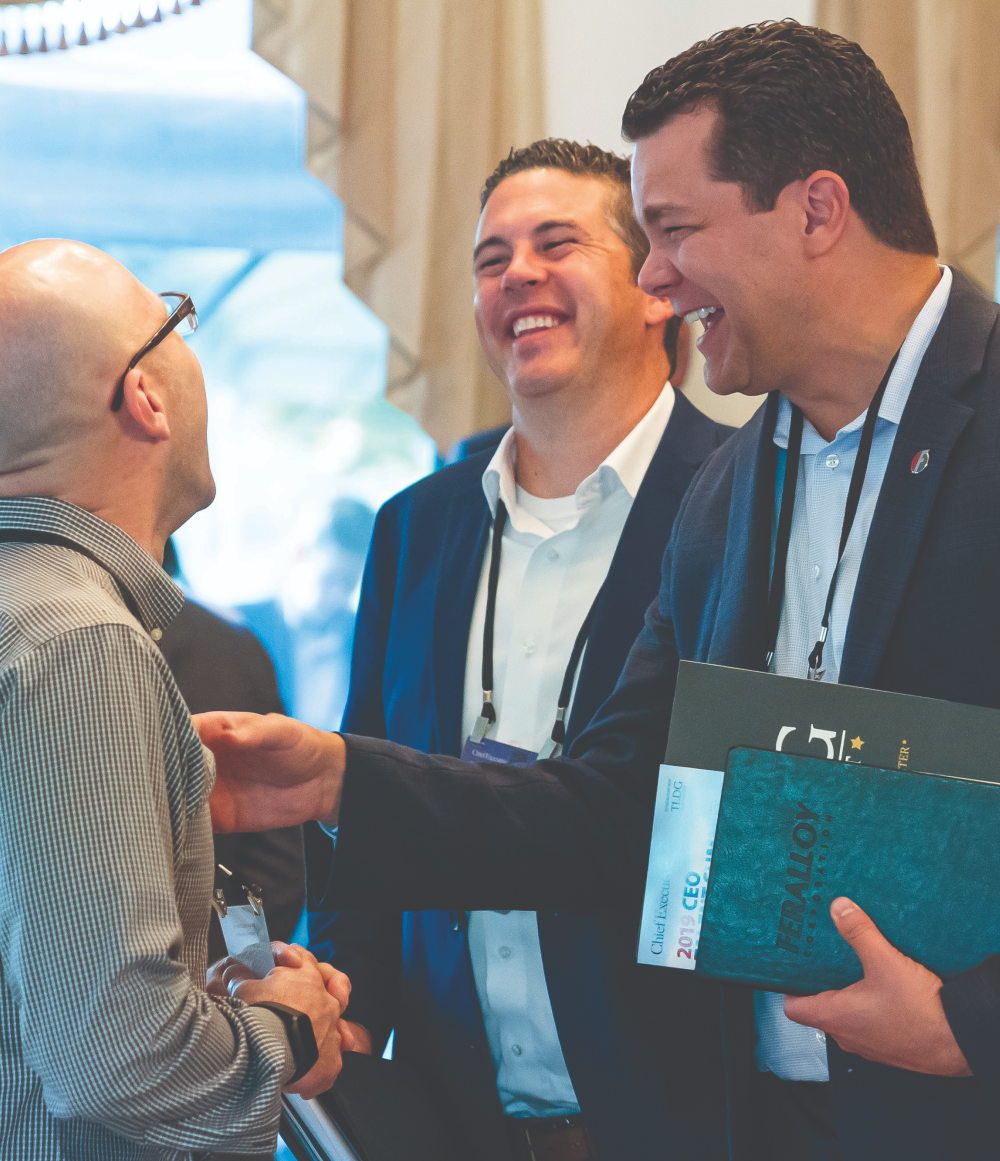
column 114, row 1044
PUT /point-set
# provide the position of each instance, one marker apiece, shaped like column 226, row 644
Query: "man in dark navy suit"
column 546, row 1019
column 775, row 177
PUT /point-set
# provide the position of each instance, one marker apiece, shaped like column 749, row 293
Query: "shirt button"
column 553, row 554
column 505, row 953
column 156, row 634
column 821, row 1036
column 832, row 461
column 516, row 1049
column 816, row 572
column 529, row 648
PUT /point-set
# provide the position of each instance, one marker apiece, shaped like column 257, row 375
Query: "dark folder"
column 378, row 1110
column 895, row 859
column 916, row 851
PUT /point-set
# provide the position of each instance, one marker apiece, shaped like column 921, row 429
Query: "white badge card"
column 680, row 857
column 247, row 941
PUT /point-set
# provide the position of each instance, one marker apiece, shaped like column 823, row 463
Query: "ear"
column 144, row 408
column 826, row 202
column 658, row 310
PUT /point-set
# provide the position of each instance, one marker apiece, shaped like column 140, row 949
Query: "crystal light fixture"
column 63, row 24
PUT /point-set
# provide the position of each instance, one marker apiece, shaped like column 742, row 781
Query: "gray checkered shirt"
column 110, row 1048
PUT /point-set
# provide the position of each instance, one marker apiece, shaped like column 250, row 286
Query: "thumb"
column 872, row 948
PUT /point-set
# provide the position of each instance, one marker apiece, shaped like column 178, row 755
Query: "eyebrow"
column 541, row 228
column 651, row 213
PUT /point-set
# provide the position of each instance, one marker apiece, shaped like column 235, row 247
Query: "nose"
column 659, row 277
column 524, row 269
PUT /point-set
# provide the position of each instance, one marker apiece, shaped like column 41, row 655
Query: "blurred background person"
column 308, row 629
column 219, row 664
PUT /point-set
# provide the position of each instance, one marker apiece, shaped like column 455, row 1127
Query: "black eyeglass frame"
column 180, row 312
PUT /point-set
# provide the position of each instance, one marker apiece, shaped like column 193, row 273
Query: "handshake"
column 274, row 771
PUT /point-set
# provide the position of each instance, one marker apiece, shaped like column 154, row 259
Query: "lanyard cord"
column 776, row 593
column 488, row 714
column 552, row 747
column 32, row 536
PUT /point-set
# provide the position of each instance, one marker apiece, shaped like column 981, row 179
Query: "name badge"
column 247, row 940
column 490, row 751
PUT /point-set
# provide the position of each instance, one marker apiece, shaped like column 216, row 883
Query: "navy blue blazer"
column 425, row 831
column 644, row 1052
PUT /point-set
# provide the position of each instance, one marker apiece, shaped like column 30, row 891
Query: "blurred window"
column 175, row 148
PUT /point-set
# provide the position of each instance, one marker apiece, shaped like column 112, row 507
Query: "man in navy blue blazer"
column 775, row 177
column 548, row 249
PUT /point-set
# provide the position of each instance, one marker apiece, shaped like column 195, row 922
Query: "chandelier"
column 63, row 24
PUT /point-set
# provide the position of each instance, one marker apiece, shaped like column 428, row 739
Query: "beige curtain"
column 942, row 60
column 411, row 105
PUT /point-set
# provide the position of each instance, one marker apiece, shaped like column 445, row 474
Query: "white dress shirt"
column 790, row 1050
column 556, row 554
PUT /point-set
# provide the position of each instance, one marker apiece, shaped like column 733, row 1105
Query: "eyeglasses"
column 181, row 316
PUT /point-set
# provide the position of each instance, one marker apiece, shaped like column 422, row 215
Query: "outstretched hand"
column 271, row 771
column 894, row 1015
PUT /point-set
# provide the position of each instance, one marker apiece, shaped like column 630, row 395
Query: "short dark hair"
column 584, row 161
column 795, row 99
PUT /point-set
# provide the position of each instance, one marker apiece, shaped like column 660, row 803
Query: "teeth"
column 699, row 315
column 533, row 323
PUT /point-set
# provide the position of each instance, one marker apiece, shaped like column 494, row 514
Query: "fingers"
column 355, row 1037
column 337, row 984
column 325, row 1071
column 220, row 728
column 214, row 981
column 872, row 948
column 813, row 1011
column 236, row 975
column 348, row 1040
column 288, row 954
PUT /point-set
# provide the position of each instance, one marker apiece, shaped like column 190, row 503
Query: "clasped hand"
column 271, row 771
column 894, row 1015
column 299, row 981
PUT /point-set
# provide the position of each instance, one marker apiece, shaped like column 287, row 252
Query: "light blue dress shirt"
column 790, row 1050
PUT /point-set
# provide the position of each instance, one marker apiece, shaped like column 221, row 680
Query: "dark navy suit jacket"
column 420, row 831
column 643, row 1047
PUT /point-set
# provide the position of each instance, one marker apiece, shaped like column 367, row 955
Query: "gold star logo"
column 856, row 743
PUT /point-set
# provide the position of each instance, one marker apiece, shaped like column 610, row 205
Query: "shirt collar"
column 157, row 599
column 897, row 390
column 624, row 467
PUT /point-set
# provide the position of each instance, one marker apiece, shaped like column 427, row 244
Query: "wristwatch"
column 299, row 1030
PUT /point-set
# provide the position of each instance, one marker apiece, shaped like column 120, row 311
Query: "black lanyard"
column 32, row 536
column 776, row 593
column 552, row 748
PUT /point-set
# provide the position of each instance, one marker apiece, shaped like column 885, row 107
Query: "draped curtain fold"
column 942, row 60
column 411, row 105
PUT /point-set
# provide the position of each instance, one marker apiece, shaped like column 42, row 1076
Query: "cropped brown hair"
column 584, row 161
column 795, row 99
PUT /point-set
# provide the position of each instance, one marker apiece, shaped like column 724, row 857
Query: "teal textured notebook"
column 916, row 851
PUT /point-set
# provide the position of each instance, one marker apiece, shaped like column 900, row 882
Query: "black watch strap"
column 299, row 1029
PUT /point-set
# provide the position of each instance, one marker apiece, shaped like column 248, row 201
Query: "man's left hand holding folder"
column 892, row 1016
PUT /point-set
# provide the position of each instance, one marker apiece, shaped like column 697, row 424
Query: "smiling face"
column 556, row 298
column 709, row 253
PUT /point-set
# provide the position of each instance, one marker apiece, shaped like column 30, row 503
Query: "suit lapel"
column 738, row 622
column 633, row 576
column 463, row 544
column 934, row 420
